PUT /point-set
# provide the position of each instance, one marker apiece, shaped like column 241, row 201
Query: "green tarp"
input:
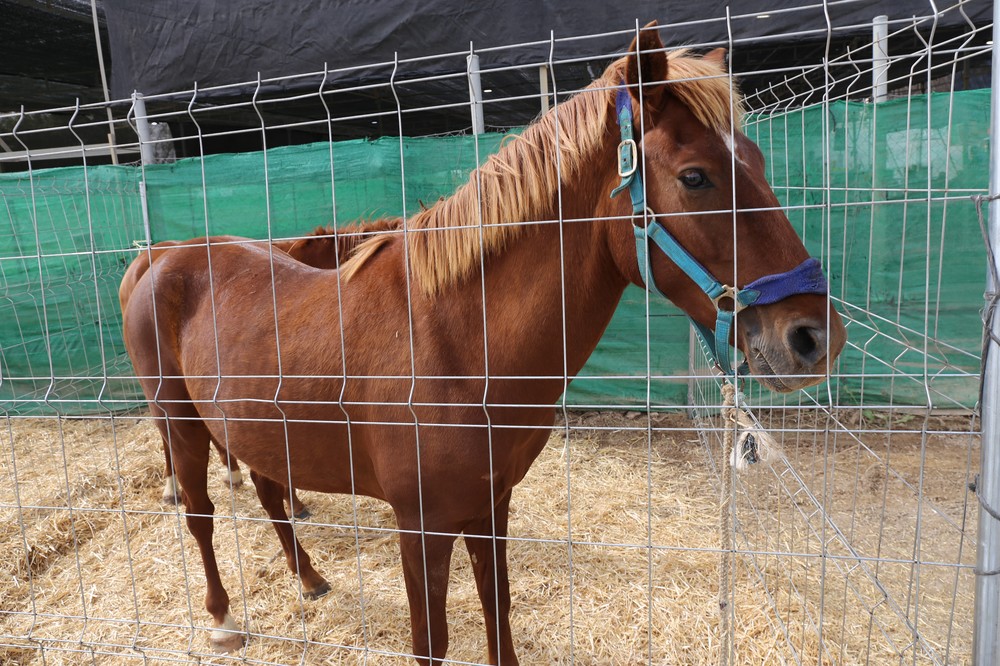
column 883, row 193
column 880, row 192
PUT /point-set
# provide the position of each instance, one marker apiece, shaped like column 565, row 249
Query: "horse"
column 323, row 247
column 425, row 371
column 328, row 246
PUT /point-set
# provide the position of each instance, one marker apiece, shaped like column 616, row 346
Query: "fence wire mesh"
column 636, row 536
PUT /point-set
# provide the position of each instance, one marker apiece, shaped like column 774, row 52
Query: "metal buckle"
column 632, row 157
column 733, row 293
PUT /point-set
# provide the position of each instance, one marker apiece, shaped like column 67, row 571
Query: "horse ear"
column 718, row 56
column 646, row 57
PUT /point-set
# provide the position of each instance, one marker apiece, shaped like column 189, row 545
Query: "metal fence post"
column 145, row 154
column 880, row 58
column 986, row 634
column 142, row 128
column 475, row 94
column 543, row 87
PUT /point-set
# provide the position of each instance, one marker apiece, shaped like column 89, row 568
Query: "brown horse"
column 328, row 247
column 324, row 247
column 425, row 374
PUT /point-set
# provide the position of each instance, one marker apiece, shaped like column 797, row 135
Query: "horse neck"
column 568, row 267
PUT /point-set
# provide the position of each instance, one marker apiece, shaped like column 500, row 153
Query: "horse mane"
column 330, row 246
column 517, row 183
column 361, row 245
column 349, row 237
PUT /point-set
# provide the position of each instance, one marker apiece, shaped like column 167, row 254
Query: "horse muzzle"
column 786, row 350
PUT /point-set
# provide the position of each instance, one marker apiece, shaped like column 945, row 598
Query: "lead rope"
column 744, row 443
column 725, row 521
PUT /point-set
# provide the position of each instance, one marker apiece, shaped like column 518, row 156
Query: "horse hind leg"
column 189, row 451
column 235, row 475
column 272, row 495
column 171, row 490
column 299, row 509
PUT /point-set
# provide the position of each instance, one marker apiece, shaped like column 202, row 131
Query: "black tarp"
column 170, row 44
column 48, row 56
column 167, row 47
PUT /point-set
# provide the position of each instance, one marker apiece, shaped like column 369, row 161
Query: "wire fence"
column 858, row 534
column 660, row 522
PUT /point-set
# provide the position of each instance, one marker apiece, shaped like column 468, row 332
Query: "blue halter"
column 806, row 278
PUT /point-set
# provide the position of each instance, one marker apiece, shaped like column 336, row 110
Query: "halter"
column 806, row 278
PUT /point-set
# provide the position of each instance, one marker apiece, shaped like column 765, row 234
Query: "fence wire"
column 853, row 542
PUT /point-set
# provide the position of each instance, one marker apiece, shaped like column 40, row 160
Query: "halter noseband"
column 806, row 278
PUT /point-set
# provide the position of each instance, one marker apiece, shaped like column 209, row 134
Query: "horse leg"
column 271, row 494
column 427, row 596
column 235, row 475
column 491, row 580
column 171, row 491
column 299, row 509
column 189, row 440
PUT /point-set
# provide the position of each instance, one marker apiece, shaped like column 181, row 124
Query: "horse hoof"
column 303, row 513
column 171, row 490
column 318, row 591
column 227, row 644
column 235, row 478
column 228, row 637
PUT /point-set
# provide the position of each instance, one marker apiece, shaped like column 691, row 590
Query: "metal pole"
column 475, row 94
column 145, row 156
column 880, row 57
column 986, row 632
column 104, row 83
column 543, row 82
column 142, row 128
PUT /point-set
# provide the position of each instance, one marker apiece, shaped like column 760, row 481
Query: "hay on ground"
column 614, row 556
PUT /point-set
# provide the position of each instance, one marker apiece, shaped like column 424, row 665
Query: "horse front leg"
column 271, row 495
column 427, row 595
column 489, row 563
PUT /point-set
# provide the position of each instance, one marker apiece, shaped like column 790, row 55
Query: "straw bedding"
column 94, row 569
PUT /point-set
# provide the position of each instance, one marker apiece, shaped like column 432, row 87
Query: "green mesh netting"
column 64, row 239
column 881, row 193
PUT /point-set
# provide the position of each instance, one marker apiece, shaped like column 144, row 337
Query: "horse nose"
column 808, row 342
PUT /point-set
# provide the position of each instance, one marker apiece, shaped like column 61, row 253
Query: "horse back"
column 150, row 255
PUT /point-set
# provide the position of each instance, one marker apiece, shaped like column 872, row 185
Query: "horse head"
column 708, row 227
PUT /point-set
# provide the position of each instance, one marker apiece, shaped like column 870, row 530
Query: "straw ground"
column 614, row 555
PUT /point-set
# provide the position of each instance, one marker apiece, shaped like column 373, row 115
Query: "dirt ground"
column 856, row 547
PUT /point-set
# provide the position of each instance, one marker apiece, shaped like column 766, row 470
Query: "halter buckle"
column 733, row 293
column 628, row 157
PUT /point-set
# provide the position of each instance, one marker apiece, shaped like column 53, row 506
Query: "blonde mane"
column 518, row 183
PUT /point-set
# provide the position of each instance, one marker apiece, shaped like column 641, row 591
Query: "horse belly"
column 316, row 452
column 266, row 420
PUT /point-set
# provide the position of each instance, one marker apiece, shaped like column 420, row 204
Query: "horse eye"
column 695, row 179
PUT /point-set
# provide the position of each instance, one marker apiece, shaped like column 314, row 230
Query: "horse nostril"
column 808, row 342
